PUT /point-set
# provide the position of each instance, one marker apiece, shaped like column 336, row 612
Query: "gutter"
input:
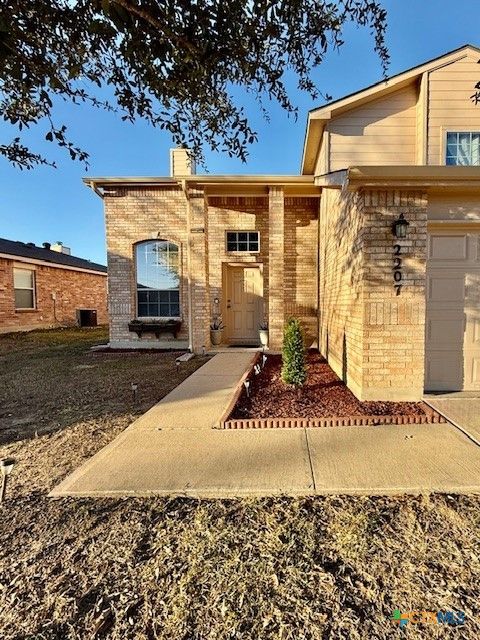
column 96, row 184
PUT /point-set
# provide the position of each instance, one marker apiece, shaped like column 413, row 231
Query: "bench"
column 155, row 326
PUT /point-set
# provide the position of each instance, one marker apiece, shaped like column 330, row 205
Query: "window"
column 463, row 148
column 158, row 279
column 24, row 285
column 243, row 241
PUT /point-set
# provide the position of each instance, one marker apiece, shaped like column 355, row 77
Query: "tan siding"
column 453, row 206
column 181, row 163
column 450, row 106
column 322, row 163
column 382, row 132
column 421, row 121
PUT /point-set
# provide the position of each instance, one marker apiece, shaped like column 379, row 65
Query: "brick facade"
column 134, row 215
column 73, row 289
column 198, row 224
column 338, row 249
column 372, row 337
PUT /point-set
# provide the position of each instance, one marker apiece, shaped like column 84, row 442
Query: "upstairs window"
column 24, row 285
column 243, row 241
column 463, row 148
column 158, row 279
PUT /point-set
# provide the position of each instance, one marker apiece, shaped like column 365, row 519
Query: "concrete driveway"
column 173, row 449
column 462, row 409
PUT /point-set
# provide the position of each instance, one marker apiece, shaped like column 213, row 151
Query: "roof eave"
column 419, row 176
column 100, row 183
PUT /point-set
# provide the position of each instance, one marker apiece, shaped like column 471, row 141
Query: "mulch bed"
column 323, row 395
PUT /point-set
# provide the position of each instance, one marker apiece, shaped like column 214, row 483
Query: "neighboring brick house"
column 45, row 286
column 393, row 311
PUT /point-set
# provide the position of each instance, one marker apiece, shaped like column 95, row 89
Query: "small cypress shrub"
column 294, row 370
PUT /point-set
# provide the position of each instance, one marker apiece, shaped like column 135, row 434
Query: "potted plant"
column 216, row 331
column 263, row 333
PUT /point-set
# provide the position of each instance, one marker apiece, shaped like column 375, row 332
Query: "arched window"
column 158, row 279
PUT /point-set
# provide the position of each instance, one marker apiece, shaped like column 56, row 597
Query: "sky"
column 50, row 205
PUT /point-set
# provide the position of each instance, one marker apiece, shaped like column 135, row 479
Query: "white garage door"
column 452, row 349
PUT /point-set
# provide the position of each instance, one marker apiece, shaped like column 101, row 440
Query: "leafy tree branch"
column 173, row 63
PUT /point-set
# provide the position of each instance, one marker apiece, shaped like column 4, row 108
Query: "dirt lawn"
column 283, row 569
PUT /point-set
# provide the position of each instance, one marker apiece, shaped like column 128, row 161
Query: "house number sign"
column 397, row 268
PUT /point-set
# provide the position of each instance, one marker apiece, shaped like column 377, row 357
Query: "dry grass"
column 280, row 569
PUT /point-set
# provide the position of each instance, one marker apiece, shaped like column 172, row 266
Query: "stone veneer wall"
column 74, row 290
column 372, row 337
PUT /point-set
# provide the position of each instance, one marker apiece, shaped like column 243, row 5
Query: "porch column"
column 276, row 257
column 198, row 263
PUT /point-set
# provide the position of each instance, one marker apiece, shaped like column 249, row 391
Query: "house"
column 375, row 246
column 47, row 287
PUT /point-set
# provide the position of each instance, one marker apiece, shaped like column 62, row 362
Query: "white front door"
column 452, row 336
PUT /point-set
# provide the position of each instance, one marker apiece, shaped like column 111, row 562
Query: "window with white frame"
column 239, row 241
column 463, row 148
column 158, row 279
column 24, row 287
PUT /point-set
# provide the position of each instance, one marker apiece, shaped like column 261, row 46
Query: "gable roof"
column 22, row 250
column 318, row 117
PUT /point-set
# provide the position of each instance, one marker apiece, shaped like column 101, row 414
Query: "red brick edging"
column 430, row 417
column 331, row 421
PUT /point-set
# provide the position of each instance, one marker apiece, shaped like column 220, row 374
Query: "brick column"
column 394, row 325
column 276, row 257
column 121, row 285
column 198, row 247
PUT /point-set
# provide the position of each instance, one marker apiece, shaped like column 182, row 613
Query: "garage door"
column 452, row 349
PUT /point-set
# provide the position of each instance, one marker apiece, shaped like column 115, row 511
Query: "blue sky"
column 52, row 204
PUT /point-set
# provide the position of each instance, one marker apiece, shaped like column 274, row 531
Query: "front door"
column 244, row 304
column 452, row 337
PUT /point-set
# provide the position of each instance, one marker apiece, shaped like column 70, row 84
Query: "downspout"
column 189, row 269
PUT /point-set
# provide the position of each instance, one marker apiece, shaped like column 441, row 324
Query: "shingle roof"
column 23, row 250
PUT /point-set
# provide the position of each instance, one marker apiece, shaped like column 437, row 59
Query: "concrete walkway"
column 462, row 409
column 173, row 450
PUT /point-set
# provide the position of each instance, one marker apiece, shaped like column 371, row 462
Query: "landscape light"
column 400, row 226
column 134, row 386
column 6, row 466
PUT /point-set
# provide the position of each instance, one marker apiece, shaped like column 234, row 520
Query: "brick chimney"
column 182, row 163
